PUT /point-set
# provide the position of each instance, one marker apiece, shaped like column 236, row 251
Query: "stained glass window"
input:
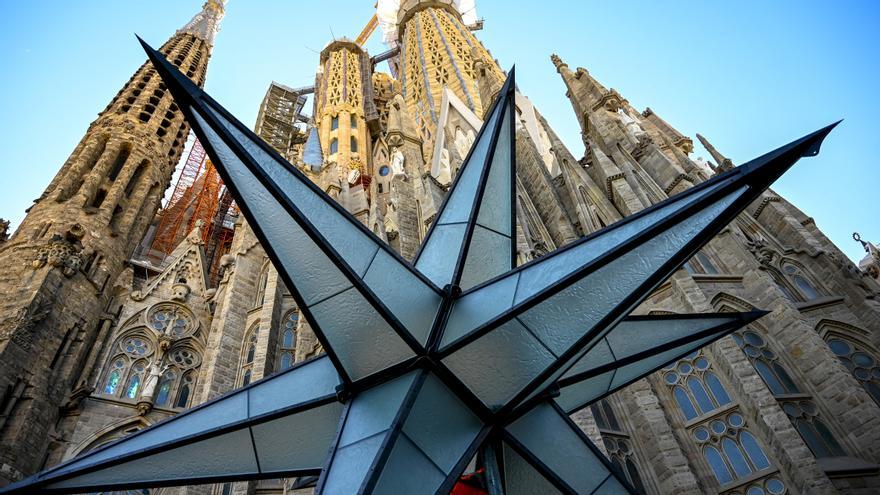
column 287, row 349
column 806, row 288
column 134, row 382
column 803, row 414
column 696, row 389
column 860, row 362
column 730, row 450
column 249, row 353
column 171, row 319
column 165, row 385
column 114, row 377
column 185, row 390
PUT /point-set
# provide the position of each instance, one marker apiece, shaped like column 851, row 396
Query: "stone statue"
column 397, row 161
column 153, row 379
column 444, row 169
column 630, row 124
column 4, row 230
column 871, row 263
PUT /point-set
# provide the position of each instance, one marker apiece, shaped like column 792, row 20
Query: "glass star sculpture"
column 457, row 355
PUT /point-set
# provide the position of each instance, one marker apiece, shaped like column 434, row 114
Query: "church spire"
column 206, row 23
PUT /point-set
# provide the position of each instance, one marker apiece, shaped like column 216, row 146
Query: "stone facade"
column 789, row 405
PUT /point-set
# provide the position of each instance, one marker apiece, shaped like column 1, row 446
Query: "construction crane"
column 368, row 29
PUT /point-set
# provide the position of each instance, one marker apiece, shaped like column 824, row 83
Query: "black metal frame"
column 749, row 180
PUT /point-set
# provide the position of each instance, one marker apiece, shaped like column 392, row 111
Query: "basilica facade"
column 96, row 342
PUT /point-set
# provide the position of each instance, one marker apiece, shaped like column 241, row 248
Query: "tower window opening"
column 118, row 164
column 354, row 122
column 161, row 132
column 334, row 146
column 135, row 178
column 334, row 123
column 354, row 144
column 144, row 117
column 100, row 196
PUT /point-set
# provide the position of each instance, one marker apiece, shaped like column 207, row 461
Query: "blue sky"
column 749, row 75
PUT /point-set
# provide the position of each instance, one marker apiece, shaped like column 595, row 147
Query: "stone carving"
column 758, row 247
column 397, row 161
column 444, row 172
column 179, row 292
column 871, row 263
column 4, row 230
column 64, row 252
column 631, row 125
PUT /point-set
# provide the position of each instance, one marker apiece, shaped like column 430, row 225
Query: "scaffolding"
column 280, row 111
column 199, row 197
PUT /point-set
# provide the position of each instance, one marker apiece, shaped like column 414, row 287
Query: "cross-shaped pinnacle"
column 431, row 363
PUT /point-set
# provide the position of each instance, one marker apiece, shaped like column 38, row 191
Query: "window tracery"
column 249, row 351
column 802, row 411
column 287, row 349
column 617, row 442
column 171, row 319
column 717, row 427
column 860, row 362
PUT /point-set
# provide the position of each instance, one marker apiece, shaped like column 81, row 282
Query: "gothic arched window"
column 730, row 450
column 696, row 389
column 354, row 121
column 288, row 340
column 165, row 385
column 260, row 297
column 801, row 281
column 334, row 123
column 115, row 375
column 135, row 380
column 334, row 146
column 803, row 414
column 249, row 352
column 617, row 442
column 860, row 362
column 183, row 394
column 171, row 319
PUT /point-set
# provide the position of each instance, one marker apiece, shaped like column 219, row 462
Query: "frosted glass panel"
column 226, row 455
column 313, row 274
column 477, row 308
column 315, row 379
column 499, row 364
column 488, row 256
column 612, row 486
column 577, row 395
column 645, row 366
column 584, row 303
column 599, row 355
column 556, row 266
column 550, row 438
column 407, row 297
column 298, row 441
column 495, row 209
column 441, row 425
column 632, row 337
column 374, row 410
column 363, row 341
column 438, row 257
column 408, row 471
column 521, row 478
column 222, row 412
column 354, row 245
column 350, row 466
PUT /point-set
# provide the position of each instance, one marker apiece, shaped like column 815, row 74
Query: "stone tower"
column 438, row 51
column 61, row 263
